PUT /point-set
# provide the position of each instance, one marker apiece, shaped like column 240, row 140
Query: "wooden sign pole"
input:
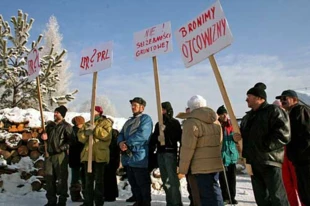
column 159, row 109
column 41, row 114
column 92, row 122
column 226, row 100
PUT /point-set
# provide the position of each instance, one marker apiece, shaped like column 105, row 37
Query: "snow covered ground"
column 13, row 194
column 14, row 198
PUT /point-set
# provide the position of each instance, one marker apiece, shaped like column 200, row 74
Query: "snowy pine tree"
column 18, row 91
column 52, row 39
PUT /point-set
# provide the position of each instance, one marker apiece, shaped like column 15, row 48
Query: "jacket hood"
column 204, row 114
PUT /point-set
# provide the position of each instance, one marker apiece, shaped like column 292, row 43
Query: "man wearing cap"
column 230, row 157
column 133, row 141
column 201, row 150
column 298, row 150
column 167, row 154
column 265, row 131
column 101, row 133
column 58, row 135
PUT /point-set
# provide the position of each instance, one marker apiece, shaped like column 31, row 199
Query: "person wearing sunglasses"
column 298, row 150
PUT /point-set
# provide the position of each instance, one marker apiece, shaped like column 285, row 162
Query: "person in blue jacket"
column 230, row 156
column 133, row 141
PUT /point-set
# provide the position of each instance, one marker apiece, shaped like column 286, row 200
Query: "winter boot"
column 75, row 193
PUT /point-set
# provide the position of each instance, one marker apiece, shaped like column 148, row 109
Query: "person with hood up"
column 201, row 150
column 167, row 154
column 265, row 131
column 58, row 134
column 102, row 135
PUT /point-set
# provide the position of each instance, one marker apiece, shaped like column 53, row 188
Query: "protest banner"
column 201, row 38
column 151, row 42
column 93, row 60
column 34, row 68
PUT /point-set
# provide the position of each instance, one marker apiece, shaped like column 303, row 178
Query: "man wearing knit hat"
column 167, row 154
column 58, row 135
column 133, row 141
column 230, row 156
column 101, row 133
column 298, row 150
column 201, row 150
column 265, row 131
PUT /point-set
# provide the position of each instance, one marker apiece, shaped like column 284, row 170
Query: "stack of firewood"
column 17, row 140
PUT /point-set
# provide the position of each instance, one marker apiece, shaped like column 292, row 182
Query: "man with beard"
column 58, row 136
column 265, row 131
column 133, row 141
column 167, row 154
column 298, row 150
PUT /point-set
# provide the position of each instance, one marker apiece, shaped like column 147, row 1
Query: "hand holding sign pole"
column 34, row 67
column 149, row 43
column 93, row 60
column 201, row 38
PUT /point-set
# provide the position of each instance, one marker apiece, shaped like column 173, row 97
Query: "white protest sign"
column 203, row 36
column 96, row 58
column 33, row 62
column 153, row 41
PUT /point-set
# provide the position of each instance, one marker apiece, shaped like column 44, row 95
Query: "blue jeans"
column 209, row 190
column 167, row 163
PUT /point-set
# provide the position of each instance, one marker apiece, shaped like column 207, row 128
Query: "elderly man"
column 58, row 135
column 298, row 150
column 133, row 141
column 265, row 131
column 201, row 150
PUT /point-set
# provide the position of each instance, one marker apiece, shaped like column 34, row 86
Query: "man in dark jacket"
column 265, row 131
column 167, row 154
column 298, row 150
column 58, row 136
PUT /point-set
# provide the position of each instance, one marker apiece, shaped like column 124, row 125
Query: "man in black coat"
column 298, row 150
column 58, row 136
column 265, row 131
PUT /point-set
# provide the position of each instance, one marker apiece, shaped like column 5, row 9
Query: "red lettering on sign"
column 88, row 62
column 204, row 39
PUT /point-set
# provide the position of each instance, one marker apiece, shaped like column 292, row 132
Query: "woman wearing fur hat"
column 167, row 154
column 77, row 171
column 102, row 134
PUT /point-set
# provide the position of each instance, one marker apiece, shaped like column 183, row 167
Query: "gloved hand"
column 89, row 130
column 64, row 147
column 162, row 127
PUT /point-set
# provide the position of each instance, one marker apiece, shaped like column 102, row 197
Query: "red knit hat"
column 99, row 109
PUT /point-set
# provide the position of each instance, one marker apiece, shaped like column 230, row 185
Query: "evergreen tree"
column 52, row 39
column 18, row 91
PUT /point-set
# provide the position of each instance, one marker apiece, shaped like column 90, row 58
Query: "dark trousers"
column 56, row 169
column 140, row 182
column 268, row 186
column 192, row 189
column 209, row 189
column 303, row 183
column 97, row 176
column 231, row 179
column 110, row 181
